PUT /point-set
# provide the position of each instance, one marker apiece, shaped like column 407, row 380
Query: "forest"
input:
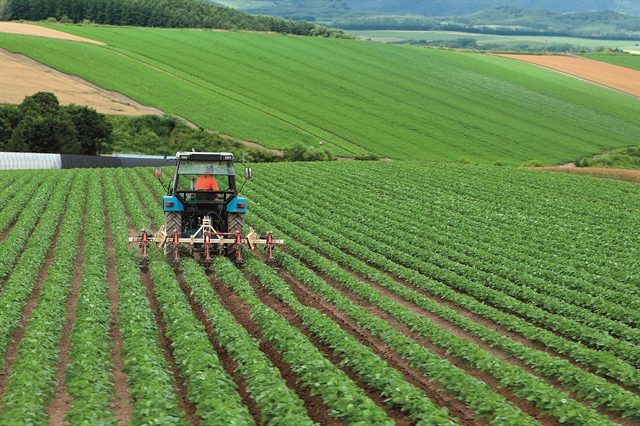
column 158, row 14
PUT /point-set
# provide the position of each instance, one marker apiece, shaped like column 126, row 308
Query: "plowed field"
column 615, row 77
column 21, row 76
column 490, row 296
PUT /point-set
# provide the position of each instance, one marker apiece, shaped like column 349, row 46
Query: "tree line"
column 41, row 125
column 158, row 14
column 508, row 20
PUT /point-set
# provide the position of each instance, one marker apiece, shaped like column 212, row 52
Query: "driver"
column 206, row 182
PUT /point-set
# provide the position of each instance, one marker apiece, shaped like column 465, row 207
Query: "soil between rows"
column 496, row 351
column 60, row 404
column 122, row 405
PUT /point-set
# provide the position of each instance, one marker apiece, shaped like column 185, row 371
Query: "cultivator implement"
column 206, row 242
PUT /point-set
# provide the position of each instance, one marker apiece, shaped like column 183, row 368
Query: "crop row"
column 150, row 381
column 37, row 352
column 278, row 403
column 152, row 206
column 11, row 246
column 18, row 195
column 447, row 252
column 521, row 383
column 602, row 362
column 89, row 377
column 345, row 400
column 558, row 233
column 7, row 179
column 392, row 232
column 19, row 286
column 208, row 384
column 551, row 235
column 369, row 367
column 387, row 256
column 457, row 275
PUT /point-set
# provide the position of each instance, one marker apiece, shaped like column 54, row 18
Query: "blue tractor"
column 204, row 216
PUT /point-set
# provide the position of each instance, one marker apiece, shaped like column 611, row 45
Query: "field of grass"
column 357, row 97
column 533, row 41
column 629, row 61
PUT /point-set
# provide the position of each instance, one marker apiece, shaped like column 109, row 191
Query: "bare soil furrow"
column 228, row 363
column 316, row 408
column 122, row 406
column 61, row 402
column 3, row 234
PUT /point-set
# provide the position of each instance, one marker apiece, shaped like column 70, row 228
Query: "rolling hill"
column 355, row 97
column 463, row 7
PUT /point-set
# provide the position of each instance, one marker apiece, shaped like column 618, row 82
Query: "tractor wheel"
column 172, row 223
column 234, row 220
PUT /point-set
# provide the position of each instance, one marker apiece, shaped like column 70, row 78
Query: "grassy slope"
column 395, row 101
column 534, row 41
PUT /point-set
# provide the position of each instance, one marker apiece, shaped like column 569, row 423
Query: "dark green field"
column 354, row 96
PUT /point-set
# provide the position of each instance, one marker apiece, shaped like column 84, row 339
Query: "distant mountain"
column 465, row 7
column 309, row 10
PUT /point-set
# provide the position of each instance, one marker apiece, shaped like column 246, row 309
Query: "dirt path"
column 622, row 79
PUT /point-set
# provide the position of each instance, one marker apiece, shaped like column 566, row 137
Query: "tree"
column 93, row 131
column 53, row 133
column 10, row 117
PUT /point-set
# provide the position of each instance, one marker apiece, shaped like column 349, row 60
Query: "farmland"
column 355, row 97
column 629, row 61
column 510, row 296
column 506, row 40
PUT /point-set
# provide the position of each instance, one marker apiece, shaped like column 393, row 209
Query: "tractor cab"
column 203, row 213
column 204, row 185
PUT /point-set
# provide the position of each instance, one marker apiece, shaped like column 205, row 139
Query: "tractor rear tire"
column 235, row 220
column 172, row 223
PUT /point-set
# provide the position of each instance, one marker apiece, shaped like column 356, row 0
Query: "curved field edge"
column 394, row 101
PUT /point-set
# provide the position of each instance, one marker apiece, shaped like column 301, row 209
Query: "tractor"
column 203, row 212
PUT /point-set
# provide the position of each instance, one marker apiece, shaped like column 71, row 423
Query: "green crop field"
column 355, row 96
column 533, row 41
column 442, row 294
column 629, row 61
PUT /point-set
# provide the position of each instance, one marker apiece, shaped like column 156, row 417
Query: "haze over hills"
column 589, row 18
column 463, row 7
column 328, row 9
